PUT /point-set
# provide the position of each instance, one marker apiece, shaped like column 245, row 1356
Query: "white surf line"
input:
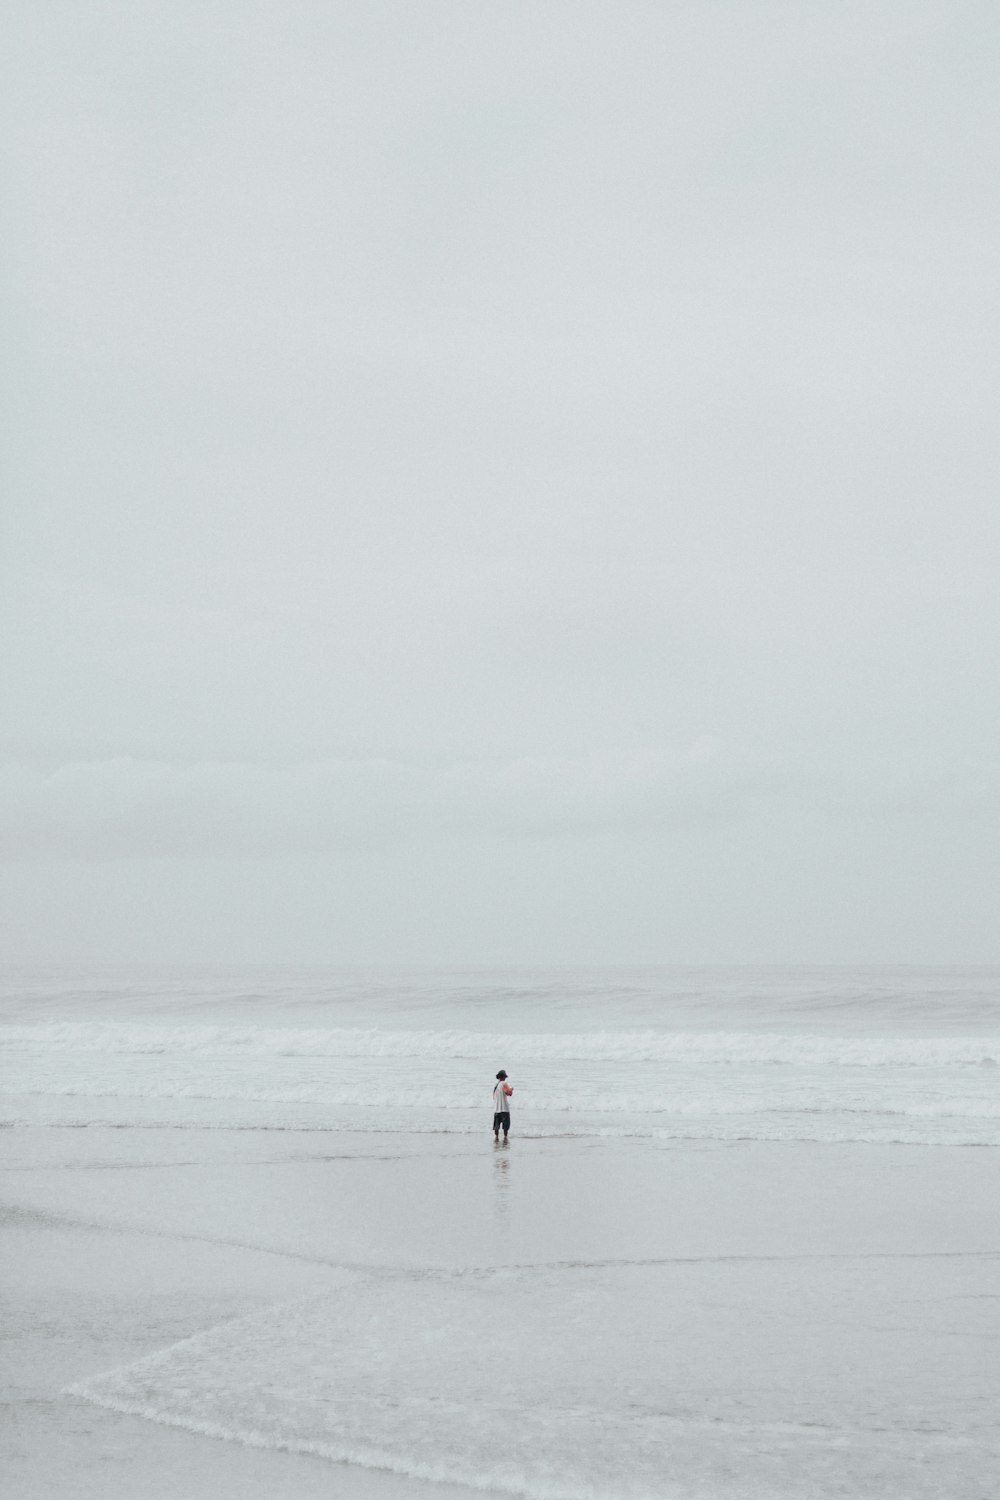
column 364, row 1458
column 368, row 1458
column 378, row 1459
column 418, row 1471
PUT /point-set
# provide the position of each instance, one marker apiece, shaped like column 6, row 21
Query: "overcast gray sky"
column 500, row 482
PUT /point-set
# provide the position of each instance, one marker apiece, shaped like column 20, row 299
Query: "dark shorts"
column 503, row 1120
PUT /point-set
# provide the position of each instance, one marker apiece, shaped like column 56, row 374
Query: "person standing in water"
column 501, row 1105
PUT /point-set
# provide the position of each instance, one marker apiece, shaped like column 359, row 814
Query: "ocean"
column 743, row 1240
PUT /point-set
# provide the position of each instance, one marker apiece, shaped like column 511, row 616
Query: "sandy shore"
column 119, row 1243
column 86, row 1292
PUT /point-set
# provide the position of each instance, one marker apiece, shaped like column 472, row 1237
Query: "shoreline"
column 119, row 1245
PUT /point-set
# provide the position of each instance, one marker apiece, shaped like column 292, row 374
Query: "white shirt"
column 501, row 1101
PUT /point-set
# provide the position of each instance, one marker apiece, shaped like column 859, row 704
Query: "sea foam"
column 801, row 1049
column 596, row 1381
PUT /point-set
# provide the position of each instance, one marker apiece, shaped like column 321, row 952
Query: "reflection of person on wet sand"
column 501, row 1105
column 501, row 1181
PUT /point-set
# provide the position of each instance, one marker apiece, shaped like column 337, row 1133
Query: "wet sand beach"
column 764, row 1318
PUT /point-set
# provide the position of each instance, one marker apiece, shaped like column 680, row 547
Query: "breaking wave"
column 802, row 1050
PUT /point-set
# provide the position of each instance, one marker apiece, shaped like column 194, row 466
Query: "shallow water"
column 749, row 1258
column 811, row 1055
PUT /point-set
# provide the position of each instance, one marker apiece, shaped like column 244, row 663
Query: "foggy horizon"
column 500, row 487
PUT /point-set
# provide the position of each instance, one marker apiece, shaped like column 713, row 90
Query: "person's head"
column 501, row 1076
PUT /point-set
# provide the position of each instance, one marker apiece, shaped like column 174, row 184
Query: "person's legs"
column 506, row 1123
column 497, row 1121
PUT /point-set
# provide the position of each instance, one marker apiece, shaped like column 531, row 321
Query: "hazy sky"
column 500, row 482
